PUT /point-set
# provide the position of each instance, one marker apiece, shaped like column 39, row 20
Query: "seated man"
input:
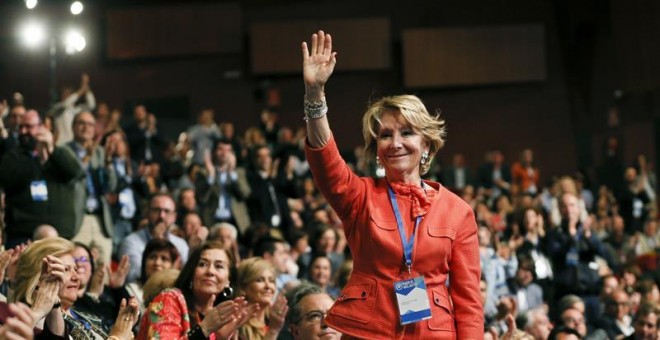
column 308, row 305
column 161, row 215
column 646, row 322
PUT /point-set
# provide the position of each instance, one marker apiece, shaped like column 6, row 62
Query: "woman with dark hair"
column 195, row 309
column 158, row 255
column 95, row 298
column 320, row 273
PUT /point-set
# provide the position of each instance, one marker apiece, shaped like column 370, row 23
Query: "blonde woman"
column 256, row 281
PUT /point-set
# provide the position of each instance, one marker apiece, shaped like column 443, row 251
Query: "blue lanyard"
column 407, row 244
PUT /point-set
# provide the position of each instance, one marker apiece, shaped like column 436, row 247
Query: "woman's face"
column 327, row 241
column 212, row 273
column 84, row 265
column 530, row 219
column 262, row 289
column 156, row 261
column 69, row 291
column 399, row 147
column 320, row 271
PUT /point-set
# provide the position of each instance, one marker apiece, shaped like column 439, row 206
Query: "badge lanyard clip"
column 407, row 243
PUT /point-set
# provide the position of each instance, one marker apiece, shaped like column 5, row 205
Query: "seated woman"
column 78, row 325
column 158, row 255
column 95, row 298
column 320, row 274
column 256, row 281
column 189, row 310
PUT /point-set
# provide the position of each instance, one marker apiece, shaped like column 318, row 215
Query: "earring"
column 191, row 285
column 425, row 157
column 227, row 292
column 378, row 165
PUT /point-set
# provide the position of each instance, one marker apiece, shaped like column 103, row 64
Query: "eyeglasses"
column 28, row 126
column 82, row 122
column 313, row 317
column 161, row 210
column 573, row 320
column 81, row 259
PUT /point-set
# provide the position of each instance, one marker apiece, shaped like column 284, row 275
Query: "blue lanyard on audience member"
column 407, row 244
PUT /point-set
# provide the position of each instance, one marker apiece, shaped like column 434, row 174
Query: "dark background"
column 178, row 57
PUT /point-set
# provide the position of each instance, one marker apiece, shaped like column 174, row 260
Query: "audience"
column 112, row 187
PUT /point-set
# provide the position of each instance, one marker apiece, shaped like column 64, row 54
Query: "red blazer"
column 445, row 243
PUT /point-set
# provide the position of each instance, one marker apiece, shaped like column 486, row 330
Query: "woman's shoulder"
column 170, row 295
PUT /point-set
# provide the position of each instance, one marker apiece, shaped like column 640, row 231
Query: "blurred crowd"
column 574, row 255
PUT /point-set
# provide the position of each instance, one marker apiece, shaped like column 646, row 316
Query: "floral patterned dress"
column 166, row 317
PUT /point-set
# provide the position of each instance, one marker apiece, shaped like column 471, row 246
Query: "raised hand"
column 242, row 312
column 19, row 326
column 208, row 164
column 96, row 282
column 218, row 316
column 13, row 261
column 278, row 312
column 50, row 282
column 5, row 258
column 117, row 278
column 319, row 62
column 128, row 316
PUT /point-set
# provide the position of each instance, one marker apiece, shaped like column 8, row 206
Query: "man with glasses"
column 93, row 226
column 161, row 215
column 38, row 181
column 308, row 305
column 616, row 320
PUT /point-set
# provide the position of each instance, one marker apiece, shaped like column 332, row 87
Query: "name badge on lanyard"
column 411, row 296
column 39, row 191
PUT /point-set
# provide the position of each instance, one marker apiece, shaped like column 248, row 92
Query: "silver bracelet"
column 314, row 109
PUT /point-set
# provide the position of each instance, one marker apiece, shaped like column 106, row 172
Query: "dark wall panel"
column 474, row 55
column 169, row 31
column 636, row 31
column 365, row 44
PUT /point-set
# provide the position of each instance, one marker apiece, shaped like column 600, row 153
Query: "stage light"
column 33, row 34
column 30, row 4
column 76, row 7
column 74, row 42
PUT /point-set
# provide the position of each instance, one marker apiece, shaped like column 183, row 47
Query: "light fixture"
column 74, row 42
column 76, row 7
column 33, row 34
column 30, row 4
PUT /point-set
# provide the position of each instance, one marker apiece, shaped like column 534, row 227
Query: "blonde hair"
column 249, row 271
column 159, row 281
column 411, row 108
column 28, row 268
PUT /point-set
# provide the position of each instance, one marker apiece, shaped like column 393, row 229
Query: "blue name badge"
column 39, row 191
column 412, row 299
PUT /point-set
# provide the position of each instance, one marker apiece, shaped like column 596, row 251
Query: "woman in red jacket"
column 416, row 258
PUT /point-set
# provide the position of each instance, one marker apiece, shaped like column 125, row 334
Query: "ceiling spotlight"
column 30, row 4
column 76, row 7
column 33, row 34
column 74, row 42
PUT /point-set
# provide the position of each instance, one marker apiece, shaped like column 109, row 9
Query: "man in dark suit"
column 271, row 182
column 224, row 190
column 457, row 176
column 495, row 176
column 9, row 132
column 144, row 140
column 38, row 179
